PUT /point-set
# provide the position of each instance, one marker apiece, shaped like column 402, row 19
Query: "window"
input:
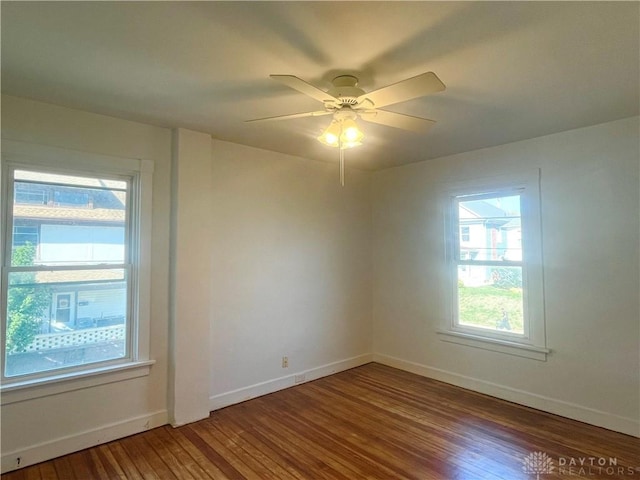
column 72, row 197
column 465, row 233
column 495, row 266
column 74, row 274
column 29, row 194
column 23, row 234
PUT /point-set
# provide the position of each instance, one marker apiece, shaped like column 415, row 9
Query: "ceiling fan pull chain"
column 341, row 156
column 342, row 167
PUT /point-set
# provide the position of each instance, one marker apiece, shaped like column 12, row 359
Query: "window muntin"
column 68, row 297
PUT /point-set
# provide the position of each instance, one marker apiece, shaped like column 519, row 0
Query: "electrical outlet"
column 300, row 378
column 285, row 362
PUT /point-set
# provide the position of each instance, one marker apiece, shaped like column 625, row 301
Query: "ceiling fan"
column 347, row 102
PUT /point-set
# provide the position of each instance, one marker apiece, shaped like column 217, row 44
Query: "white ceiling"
column 513, row 70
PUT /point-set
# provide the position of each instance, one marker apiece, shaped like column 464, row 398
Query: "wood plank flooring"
column 372, row 422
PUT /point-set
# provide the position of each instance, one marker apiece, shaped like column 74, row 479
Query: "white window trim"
column 532, row 344
column 67, row 382
column 138, row 364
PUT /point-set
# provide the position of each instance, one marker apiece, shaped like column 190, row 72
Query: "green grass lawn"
column 485, row 306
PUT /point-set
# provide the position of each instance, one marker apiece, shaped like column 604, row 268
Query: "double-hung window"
column 494, row 264
column 74, row 270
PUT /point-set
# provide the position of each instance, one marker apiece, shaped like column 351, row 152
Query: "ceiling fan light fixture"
column 331, row 135
column 351, row 133
column 342, row 133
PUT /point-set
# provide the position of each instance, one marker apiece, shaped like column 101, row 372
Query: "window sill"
column 495, row 345
column 56, row 384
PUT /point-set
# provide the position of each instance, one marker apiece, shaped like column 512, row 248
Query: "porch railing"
column 86, row 336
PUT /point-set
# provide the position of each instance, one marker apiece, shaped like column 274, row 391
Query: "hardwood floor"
column 372, row 422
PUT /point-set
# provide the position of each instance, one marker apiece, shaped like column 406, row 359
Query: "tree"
column 26, row 301
column 507, row 277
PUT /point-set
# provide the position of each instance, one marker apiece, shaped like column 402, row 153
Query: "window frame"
column 138, row 173
column 532, row 342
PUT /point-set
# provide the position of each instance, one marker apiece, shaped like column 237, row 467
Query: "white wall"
column 590, row 206
column 75, row 420
column 190, row 305
column 291, row 270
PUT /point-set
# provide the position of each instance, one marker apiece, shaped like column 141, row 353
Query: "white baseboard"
column 588, row 415
column 252, row 391
column 89, row 438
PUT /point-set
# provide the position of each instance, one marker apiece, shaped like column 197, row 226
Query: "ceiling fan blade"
column 293, row 115
column 418, row 86
column 397, row 120
column 304, row 87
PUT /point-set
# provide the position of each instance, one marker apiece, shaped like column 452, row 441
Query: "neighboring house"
column 487, row 232
column 69, row 225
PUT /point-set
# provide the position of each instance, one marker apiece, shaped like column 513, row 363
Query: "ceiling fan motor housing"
column 346, row 90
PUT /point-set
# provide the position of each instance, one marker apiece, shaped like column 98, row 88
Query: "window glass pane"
column 29, row 194
column 59, row 319
column 465, row 234
column 491, row 298
column 37, row 177
column 490, row 228
column 23, row 234
column 73, row 225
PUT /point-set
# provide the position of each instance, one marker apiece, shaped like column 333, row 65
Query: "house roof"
column 45, row 212
column 80, row 276
column 483, row 209
column 104, row 200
